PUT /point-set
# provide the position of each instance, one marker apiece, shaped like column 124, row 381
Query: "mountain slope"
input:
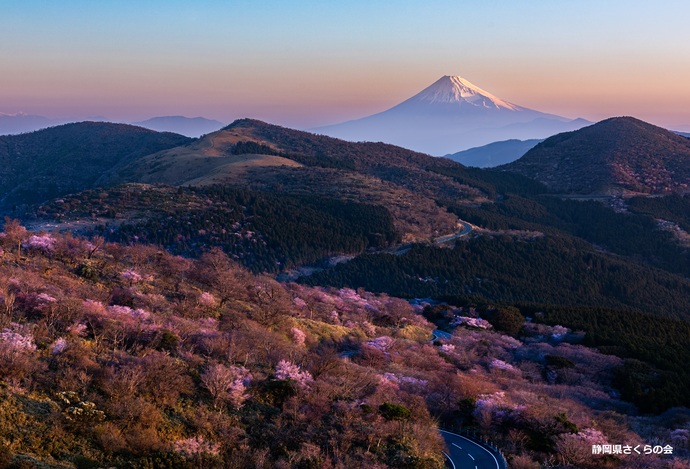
column 621, row 154
column 189, row 126
column 68, row 158
column 264, row 231
column 493, row 154
column 261, row 156
column 450, row 115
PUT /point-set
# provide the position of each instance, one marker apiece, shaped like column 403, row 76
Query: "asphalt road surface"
column 465, row 229
column 464, row 453
column 439, row 334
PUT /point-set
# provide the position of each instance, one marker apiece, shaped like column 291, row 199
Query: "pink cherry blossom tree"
column 286, row 370
column 226, row 384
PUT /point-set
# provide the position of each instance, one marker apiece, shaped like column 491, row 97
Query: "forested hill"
column 438, row 178
column 248, row 143
column 541, row 270
column 620, row 277
column 320, row 150
column 268, row 158
column 275, row 198
column 265, row 232
column 614, row 155
column 48, row 163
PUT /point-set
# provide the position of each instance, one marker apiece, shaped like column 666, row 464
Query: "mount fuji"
column 452, row 115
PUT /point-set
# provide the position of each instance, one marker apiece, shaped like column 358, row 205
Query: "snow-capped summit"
column 451, row 115
column 455, row 89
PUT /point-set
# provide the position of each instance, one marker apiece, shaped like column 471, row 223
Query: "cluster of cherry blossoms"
column 137, row 314
column 496, row 404
column 131, row 276
column 540, row 332
column 497, row 364
column 196, row 446
column 17, row 341
column 471, row 322
column 408, row 383
column 59, row 346
column 44, row 243
column 383, row 343
column 286, row 370
column 208, row 300
column 99, row 310
column 298, row 336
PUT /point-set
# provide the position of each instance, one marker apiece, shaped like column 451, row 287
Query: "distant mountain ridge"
column 614, row 156
column 451, row 115
column 68, row 158
column 494, row 154
column 18, row 123
column 11, row 124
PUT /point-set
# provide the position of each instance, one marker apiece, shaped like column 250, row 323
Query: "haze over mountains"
column 449, row 116
column 494, row 154
column 18, row 123
column 188, row 126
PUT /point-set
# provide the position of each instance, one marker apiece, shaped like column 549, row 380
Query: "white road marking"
column 451, row 461
column 498, row 466
column 457, row 446
column 471, row 457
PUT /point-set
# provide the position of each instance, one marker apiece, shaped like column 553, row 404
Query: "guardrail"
column 477, row 438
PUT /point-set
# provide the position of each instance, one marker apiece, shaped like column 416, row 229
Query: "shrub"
column 77, row 412
column 88, row 270
column 394, row 411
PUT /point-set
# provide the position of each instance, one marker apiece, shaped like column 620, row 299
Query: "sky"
column 308, row 63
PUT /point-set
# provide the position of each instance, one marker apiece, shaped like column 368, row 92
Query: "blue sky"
column 305, row 63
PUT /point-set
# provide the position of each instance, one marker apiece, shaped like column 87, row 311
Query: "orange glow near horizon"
column 303, row 65
column 323, row 99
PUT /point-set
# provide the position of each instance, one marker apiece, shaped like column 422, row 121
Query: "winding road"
column 465, row 230
column 464, row 453
column 439, row 334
